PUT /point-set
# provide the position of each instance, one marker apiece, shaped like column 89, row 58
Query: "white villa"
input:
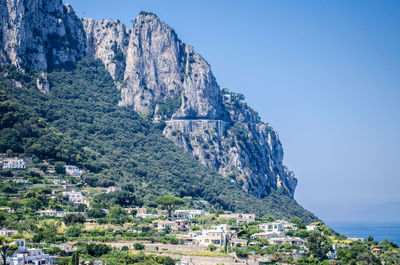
column 74, row 196
column 295, row 241
column 312, row 228
column 239, row 217
column 272, row 226
column 14, row 163
column 53, row 213
column 25, row 255
column 176, row 226
column 188, row 214
column 214, row 237
column 268, row 234
column 72, row 170
column 7, row 232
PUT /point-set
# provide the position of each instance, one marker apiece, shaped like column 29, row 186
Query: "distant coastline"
column 379, row 230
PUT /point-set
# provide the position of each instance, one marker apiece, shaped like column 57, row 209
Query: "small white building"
column 176, row 226
column 312, row 228
column 271, row 226
column 53, row 213
column 214, row 237
column 188, row 214
column 72, row 170
column 14, row 163
column 240, row 217
column 74, row 196
column 268, row 234
column 19, row 180
column 112, row 189
column 295, row 241
column 8, row 232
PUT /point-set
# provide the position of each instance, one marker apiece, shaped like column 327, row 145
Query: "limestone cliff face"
column 159, row 76
column 39, row 33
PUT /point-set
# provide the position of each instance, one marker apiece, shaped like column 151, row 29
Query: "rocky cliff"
column 160, row 77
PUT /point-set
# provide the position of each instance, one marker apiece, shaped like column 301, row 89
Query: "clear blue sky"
column 325, row 74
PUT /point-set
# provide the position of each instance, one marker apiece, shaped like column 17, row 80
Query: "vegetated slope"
column 114, row 143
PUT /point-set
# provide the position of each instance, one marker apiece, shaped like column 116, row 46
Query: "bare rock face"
column 42, row 83
column 160, row 67
column 159, row 76
column 108, row 41
column 39, row 33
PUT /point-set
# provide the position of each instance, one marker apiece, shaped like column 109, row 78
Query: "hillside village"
column 49, row 215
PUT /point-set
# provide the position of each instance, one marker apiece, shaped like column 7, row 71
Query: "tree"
column 138, row 246
column 97, row 250
column 169, row 202
column 59, row 168
column 297, row 221
column 74, row 219
column 74, row 259
column 318, row 245
column 211, row 247
column 7, row 248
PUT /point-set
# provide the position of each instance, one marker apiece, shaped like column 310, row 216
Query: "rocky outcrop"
column 159, row 76
column 108, row 41
column 40, row 33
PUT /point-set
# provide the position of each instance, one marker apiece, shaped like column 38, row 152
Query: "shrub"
column 138, row 246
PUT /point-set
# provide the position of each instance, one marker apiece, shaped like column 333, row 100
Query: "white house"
column 27, row 256
column 312, row 228
column 74, row 196
column 72, row 170
column 112, row 189
column 295, row 241
column 268, row 234
column 214, row 237
column 188, row 214
column 271, row 226
column 52, row 213
column 176, row 226
column 13, row 163
column 7, row 232
column 239, row 217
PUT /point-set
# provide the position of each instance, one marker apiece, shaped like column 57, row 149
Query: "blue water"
column 379, row 231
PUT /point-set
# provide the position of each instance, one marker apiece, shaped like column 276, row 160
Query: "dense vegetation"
column 79, row 122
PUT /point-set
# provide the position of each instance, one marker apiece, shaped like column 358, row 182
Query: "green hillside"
column 79, row 122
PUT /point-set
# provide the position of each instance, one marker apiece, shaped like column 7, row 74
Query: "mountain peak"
column 160, row 77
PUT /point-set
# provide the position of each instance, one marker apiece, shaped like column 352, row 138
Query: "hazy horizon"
column 325, row 74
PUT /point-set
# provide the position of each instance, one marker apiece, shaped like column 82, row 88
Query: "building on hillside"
column 14, row 163
column 295, row 241
column 332, row 254
column 175, row 226
column 268, row 234
column 289, row 226
column 25, row 255
column 53, row 213
column 312, row 228
column 190, row 239
column 271, row 226
column 140, row 211
column 72, row 170
column 113, row 189
column 8, row 232
column 7, row 209
column 239, row 217
column 74, row 196
column 214, row 237
column 188, row 214
column 238, row 242
column 222, row 227
column 19, row 180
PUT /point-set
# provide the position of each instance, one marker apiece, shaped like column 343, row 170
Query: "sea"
column 380, row 231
